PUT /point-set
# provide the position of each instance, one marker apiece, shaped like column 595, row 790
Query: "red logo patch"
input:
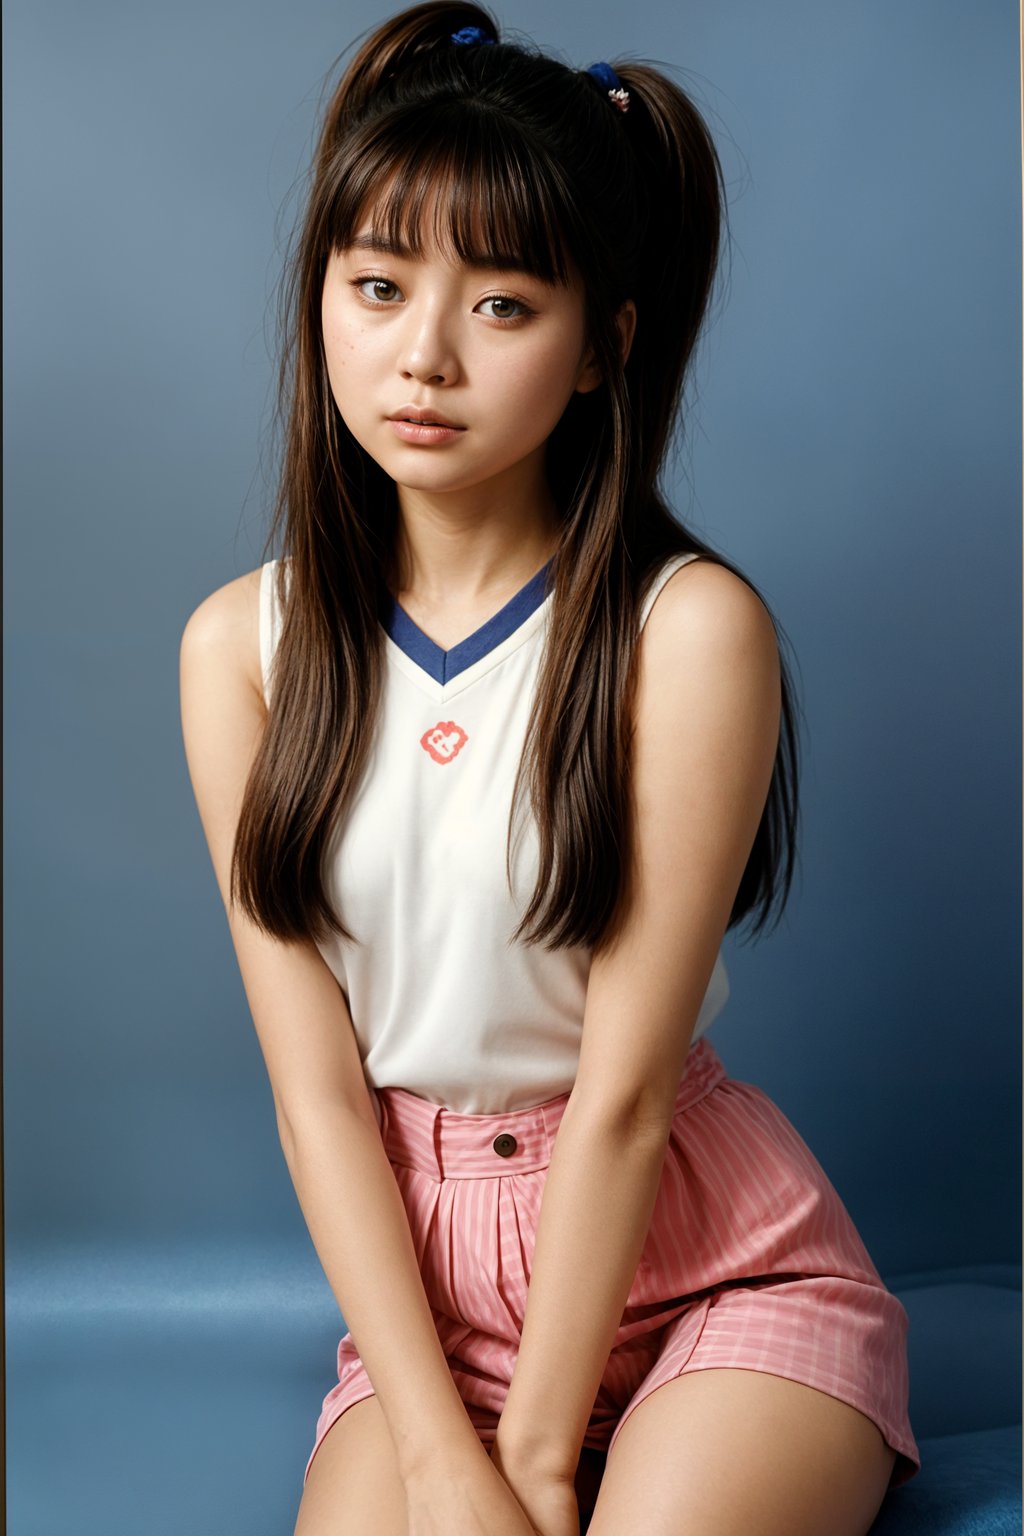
column 444, row 741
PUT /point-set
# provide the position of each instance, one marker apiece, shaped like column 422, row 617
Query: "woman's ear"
column 625, row 319
column 590, row 374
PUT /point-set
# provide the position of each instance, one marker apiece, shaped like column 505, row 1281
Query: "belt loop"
column 436, row 1140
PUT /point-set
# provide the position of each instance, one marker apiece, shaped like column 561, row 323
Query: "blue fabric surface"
column 178, row 1390
column 968, row 1485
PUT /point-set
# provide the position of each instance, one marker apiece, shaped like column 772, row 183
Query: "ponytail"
column 683, row 196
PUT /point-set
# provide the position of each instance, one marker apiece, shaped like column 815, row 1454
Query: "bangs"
column 463, row 179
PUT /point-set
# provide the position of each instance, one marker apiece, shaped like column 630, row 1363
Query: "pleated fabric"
column 751, row 1259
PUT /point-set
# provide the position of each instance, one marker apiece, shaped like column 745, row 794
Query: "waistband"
column 443, row 1143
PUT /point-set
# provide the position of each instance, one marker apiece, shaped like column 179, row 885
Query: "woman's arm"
column 706, row 733
column 326, row 1124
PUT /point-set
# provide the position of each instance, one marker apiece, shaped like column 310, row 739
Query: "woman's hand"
column 467, row 1497
column 549, row 1500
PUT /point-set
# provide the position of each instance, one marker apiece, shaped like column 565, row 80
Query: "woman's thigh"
column 730, row 1452
column 354, row 1486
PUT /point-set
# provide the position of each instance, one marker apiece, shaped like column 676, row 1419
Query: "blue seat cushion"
column 968, row 1485
column 963, row 1348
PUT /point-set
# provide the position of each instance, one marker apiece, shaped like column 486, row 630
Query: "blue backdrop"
column 853, row 443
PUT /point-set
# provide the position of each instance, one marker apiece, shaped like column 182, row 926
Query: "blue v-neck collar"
column 443, row 665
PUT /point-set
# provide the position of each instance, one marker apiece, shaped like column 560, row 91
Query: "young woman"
column 489, row 760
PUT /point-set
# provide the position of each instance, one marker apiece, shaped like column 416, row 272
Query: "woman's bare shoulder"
column 227, row 625
column 709, row 622
column 706, row 595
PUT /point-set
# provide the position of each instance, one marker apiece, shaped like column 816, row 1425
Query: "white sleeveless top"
column 442, row 1005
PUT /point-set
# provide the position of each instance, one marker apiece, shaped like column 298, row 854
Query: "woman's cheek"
column 543, row 390
column 347, row 357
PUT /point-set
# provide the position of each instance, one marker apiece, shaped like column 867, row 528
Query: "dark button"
column 504, row 1145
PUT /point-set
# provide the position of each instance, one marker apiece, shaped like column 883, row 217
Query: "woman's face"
column 497, row 353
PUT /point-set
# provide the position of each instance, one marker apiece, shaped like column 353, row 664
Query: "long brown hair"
column 508, row 151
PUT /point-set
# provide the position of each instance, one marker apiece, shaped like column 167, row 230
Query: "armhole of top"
column 673, row 564
column 268, row 623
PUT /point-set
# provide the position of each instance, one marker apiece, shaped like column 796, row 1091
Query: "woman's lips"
column 423, row 433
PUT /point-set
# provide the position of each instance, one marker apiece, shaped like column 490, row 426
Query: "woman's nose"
column 428, row 351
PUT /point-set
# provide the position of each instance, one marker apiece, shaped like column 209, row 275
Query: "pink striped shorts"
column 751, row 1260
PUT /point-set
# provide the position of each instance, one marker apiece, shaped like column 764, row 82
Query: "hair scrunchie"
column 472, row 35
column 617, row 93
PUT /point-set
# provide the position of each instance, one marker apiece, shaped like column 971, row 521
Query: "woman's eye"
column 378, row 282
column 506, row 303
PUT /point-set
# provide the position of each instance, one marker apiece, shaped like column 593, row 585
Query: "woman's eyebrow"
column 377, row 242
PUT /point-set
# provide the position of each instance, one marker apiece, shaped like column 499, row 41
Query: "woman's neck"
column 442, row 560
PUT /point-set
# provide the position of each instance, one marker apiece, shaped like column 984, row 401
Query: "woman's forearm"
column 360, row 1229
column 595, row 1213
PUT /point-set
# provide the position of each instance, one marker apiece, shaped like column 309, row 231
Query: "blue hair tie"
column 471, row 35
column 617, row 93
